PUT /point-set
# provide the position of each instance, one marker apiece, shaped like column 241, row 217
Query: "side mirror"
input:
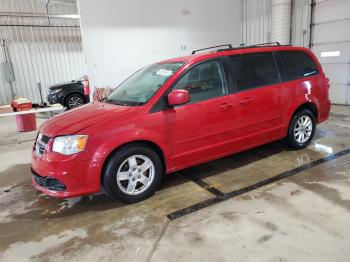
column 178, row 97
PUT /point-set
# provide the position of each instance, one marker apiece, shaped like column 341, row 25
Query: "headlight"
column 55, row 91
column 69, row 145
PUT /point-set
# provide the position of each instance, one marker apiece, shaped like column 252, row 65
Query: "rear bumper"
column 65, row 176
column 324, row 111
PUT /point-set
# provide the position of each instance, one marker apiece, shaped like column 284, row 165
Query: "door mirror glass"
column 178, row 97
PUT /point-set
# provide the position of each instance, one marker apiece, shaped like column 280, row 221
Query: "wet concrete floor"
column 301, row 218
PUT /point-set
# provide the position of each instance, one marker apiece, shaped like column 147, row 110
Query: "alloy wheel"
column 75, row 101
column 135, row 175
column 303, row 129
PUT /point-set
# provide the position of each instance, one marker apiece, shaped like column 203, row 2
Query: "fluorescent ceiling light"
column 70, row 16
column 330, row 53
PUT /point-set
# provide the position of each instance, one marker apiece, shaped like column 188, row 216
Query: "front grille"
column 41, row 144
column 49, row 183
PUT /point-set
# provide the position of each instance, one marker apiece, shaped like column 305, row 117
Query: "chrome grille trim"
column 41, row 144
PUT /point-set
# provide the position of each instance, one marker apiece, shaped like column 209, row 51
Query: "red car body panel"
column 185, row 135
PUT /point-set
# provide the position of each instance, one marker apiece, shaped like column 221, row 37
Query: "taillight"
column 86, row 87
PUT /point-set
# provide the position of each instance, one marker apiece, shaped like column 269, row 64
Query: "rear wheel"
column 74, row 100
column 301, row 129
column 132, row 174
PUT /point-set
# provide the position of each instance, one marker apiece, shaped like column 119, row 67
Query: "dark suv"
column 70, row 94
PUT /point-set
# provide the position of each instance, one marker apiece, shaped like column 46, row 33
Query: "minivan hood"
column 73, row 121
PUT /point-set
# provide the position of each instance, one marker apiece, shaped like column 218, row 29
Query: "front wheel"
column 74, row 100
column 132, row 174
column 301, row 129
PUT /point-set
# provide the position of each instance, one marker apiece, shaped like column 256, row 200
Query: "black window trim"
column 162, row 103
column 317, row 72
column 281, row 67
column 229, row 79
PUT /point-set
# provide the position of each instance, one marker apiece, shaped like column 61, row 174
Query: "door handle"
column 225, row 107
column 246, row 101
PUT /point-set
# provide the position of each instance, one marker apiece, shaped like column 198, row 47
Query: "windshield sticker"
column 164, row 72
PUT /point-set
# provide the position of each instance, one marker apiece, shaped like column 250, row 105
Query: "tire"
column 301, row 129
column 123, row 178
column 74, row 100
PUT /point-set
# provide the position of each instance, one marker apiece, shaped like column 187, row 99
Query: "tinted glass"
column 142, row 85
column 254, row 70
column 203, row 82
column 298, row 64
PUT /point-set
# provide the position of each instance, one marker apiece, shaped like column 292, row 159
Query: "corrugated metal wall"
column 301, row 12
column 256, row 22
column 42, row 49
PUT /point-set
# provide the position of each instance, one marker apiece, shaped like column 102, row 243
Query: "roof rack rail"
column 228, row 45
column 269, row 43
column 250, row 46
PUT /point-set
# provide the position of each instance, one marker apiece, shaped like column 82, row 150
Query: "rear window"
column 254, row 70
column 298, row 64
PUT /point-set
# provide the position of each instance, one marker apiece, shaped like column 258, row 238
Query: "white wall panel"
column 338, row 73
column 330, row 10
column 331, row 33
column 120, row 37
column 344, row 49
column 338, row 93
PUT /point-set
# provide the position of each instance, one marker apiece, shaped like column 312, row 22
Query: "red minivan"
column 180, row 113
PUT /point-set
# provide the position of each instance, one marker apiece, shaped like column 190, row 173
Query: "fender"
column 302, row 98
column 107, row 147
column 107, row 137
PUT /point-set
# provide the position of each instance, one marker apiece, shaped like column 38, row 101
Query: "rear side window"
column 254, row 70
column 298, row 64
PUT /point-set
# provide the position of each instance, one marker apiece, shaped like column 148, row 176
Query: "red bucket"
column 26, row 123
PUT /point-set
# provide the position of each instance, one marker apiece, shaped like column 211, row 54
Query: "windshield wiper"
column 122, row 103
column 107, row 101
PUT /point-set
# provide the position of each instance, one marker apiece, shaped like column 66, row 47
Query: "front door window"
column 203, row 82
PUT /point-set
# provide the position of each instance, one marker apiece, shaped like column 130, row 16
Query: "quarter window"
column 203, row 82
column 254, row 70
column 298, row 64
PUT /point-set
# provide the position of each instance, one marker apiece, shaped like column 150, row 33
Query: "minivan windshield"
column 142, row 85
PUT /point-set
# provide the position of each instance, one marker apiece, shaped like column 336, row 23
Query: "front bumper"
column 65, row 176
column 49, row 183
column 57, row 98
